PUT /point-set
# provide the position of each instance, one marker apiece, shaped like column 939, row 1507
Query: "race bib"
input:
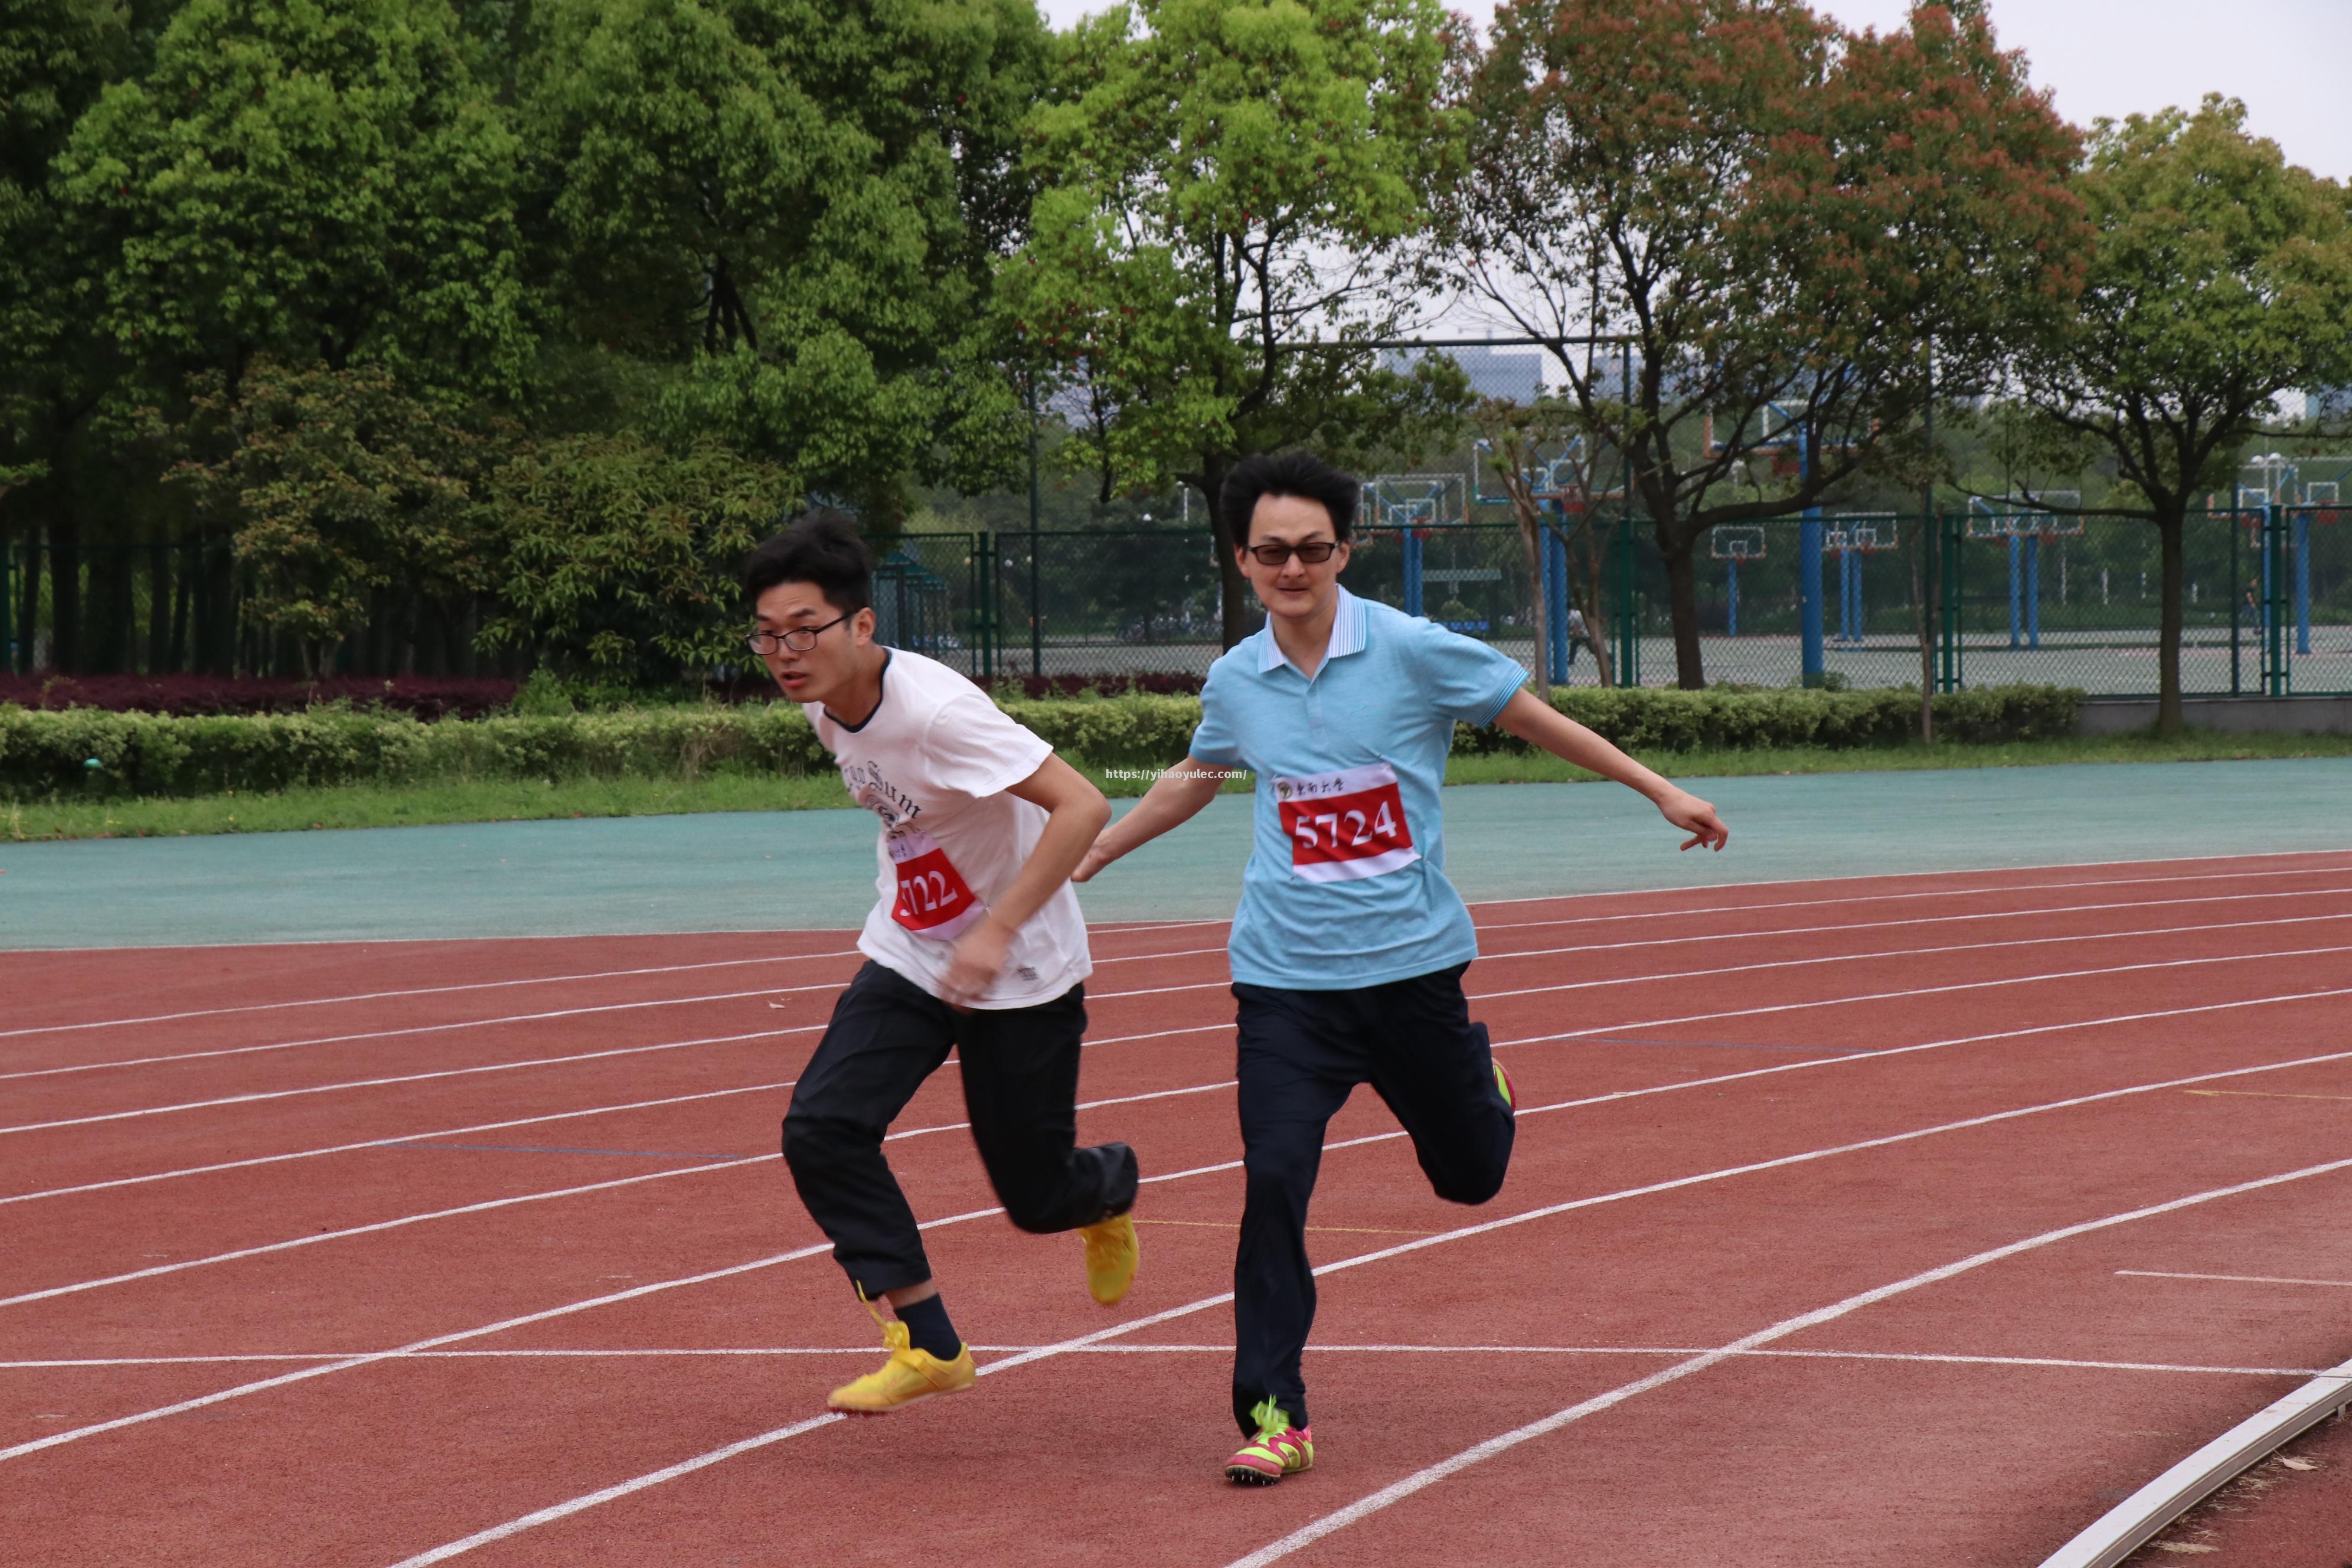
column 1345, row 826
column 933, row 899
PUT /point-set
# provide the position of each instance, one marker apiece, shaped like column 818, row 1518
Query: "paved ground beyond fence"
column 812, row 869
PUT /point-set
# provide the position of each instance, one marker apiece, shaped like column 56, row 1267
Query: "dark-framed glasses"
column 1314, row 553
column 800, row 639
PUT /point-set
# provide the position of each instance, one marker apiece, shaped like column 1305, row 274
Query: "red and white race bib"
column 933, row 899
column 1345, row 826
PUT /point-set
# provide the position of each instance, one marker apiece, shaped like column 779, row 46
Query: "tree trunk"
column 1682, row 599
column 30, row 602
column 2171, row 526
column 65, row 581
column 1925, row 582
column 1233, row 588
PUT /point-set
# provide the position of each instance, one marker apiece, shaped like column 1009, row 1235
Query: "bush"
column 44, row 753
column 187, row 695
column 1655, row 718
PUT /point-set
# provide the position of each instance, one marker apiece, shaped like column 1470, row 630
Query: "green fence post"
column 2275, row 602
column 2236, row 635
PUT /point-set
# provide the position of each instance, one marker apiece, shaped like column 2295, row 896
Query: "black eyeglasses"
column 1314, row 553
column 800, row 639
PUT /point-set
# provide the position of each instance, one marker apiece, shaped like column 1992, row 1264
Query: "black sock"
column 928, row 1328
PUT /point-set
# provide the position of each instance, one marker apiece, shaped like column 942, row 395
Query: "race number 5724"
column 1345, row 826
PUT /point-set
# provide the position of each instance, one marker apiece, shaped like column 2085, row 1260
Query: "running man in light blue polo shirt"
column 1350, row 946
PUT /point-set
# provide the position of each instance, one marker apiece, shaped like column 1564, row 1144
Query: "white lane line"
column 388, row 1142
column 1677, row 939
column 1479, row 996
column 2069, row 1364
column 410, row 1077
column 563, row 1510
column 1946, row 893
column 1930, row 991
column 1873, row 955
column 489, row 1205
column 1418, row 1243
column 1525, row 1040
column 2235, row 1278
column 1397, row 1492
column 418, row 1029
column 493, row 1127
column 494, row 985
column 421, row 991
column 1687, row 938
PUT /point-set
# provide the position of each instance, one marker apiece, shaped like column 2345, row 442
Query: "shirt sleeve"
column 973, row 748
column 1214, row 740
column 1463, row 678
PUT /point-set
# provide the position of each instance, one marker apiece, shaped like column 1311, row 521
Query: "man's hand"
column 980, row 955
column 1097, row 858
column 1694, row 816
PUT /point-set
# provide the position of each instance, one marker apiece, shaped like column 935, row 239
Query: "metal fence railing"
column 2021, row 596
column 2267, row 604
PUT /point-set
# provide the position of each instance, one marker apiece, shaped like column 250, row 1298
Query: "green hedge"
column 47, row 752
column 1729, row 719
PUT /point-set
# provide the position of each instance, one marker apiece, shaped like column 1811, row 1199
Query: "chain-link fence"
column 2016, row 596
column 2013, row 596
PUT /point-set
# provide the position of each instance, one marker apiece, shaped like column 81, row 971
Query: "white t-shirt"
column 933, row 760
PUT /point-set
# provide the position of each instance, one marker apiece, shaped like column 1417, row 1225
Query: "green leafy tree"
column 618, row 555
column 1223, row 179
column 1774, row 221
column 2219, row 277
column 797, row 204
column 334, row 487
column 54, row 58
column 322, row 178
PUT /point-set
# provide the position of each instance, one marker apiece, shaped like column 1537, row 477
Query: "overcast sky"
column 2285, row 58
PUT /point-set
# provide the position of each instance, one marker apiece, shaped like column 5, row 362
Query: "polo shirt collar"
column 1347, row 636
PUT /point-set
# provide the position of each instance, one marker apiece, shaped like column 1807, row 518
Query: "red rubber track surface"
column 347, row 1253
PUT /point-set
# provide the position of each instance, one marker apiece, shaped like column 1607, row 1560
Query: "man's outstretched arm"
column 1540, row 724
column 1075, row 813
column 1174, row 798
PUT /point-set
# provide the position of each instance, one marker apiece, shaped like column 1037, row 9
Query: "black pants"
column 1020, row 1090
column 1301, row 1053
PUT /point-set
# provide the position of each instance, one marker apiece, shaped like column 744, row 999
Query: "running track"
column 1891, row 1221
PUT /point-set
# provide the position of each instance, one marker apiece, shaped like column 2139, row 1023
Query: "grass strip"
column 407, row 806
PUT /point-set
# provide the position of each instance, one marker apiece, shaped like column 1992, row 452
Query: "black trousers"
column 1301, row 1053
column 1020, row 1090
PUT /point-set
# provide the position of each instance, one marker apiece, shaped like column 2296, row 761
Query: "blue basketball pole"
column 1731, row 596
column 1555, row 590
column 1809, row 578
column 1411, row 573
column 2016, row 637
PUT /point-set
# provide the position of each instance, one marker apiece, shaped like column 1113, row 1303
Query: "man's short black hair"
column 1292, row 473
column 822, row 547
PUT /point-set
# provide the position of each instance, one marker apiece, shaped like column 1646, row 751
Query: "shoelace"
column 1272, row 1420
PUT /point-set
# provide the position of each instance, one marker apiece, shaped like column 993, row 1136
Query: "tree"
column 2220, row 276
column 1774, row 218
column 333, row 486
column 1223, row 179
column 54, row 58
column 797, row 204
column 1545, row 441
column 319, row 180
column 615, row 552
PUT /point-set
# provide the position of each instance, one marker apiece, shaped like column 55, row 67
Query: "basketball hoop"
column 1743, row 544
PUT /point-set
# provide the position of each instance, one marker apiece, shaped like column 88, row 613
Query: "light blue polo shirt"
column 1334, row 897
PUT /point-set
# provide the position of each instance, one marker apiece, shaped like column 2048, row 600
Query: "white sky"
column 2285, row 58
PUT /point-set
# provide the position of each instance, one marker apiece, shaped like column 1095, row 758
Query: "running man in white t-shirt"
column 975, row 943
